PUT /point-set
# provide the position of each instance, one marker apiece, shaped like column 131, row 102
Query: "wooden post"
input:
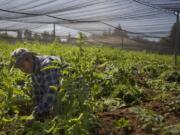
column 122, row 42
column 54, row 31
column 176, row 40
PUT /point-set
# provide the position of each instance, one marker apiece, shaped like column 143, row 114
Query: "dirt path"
column 134, row 123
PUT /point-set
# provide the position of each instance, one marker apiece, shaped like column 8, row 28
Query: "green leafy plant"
column 95, row 79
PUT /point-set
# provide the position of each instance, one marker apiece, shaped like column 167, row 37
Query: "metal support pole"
column 176, row 39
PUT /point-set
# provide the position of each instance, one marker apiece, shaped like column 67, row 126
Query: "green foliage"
column 94, row 79
column 171, row 76
column 172, row 130
column 174, row 105
column 121, row 123
column 150, row 119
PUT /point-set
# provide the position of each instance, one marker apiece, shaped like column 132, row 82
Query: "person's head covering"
column 19, row 55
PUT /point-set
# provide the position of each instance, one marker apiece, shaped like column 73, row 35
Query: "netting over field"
column 147, row 18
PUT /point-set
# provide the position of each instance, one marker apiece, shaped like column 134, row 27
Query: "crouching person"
column 45, row 79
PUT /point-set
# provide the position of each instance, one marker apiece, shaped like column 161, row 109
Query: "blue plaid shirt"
column 43, row 81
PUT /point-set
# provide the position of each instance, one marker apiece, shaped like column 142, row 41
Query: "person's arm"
column 51, row 81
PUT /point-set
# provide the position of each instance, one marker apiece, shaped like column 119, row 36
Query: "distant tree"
column 170, row 40
column 118, row 31
column 142, row 40
column 19, row 34
column 95, row 35
column 69, row 37
column 4, row 35
column 172, row 36
column 52, row 37
column 81, row 37
column 165, row 41
column 57, row 40
column 28, row 34
column 45, row 36
column 109, row 31
column 37, row 37
column 105, row 33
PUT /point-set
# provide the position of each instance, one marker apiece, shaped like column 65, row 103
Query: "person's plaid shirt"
column 43, row 82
